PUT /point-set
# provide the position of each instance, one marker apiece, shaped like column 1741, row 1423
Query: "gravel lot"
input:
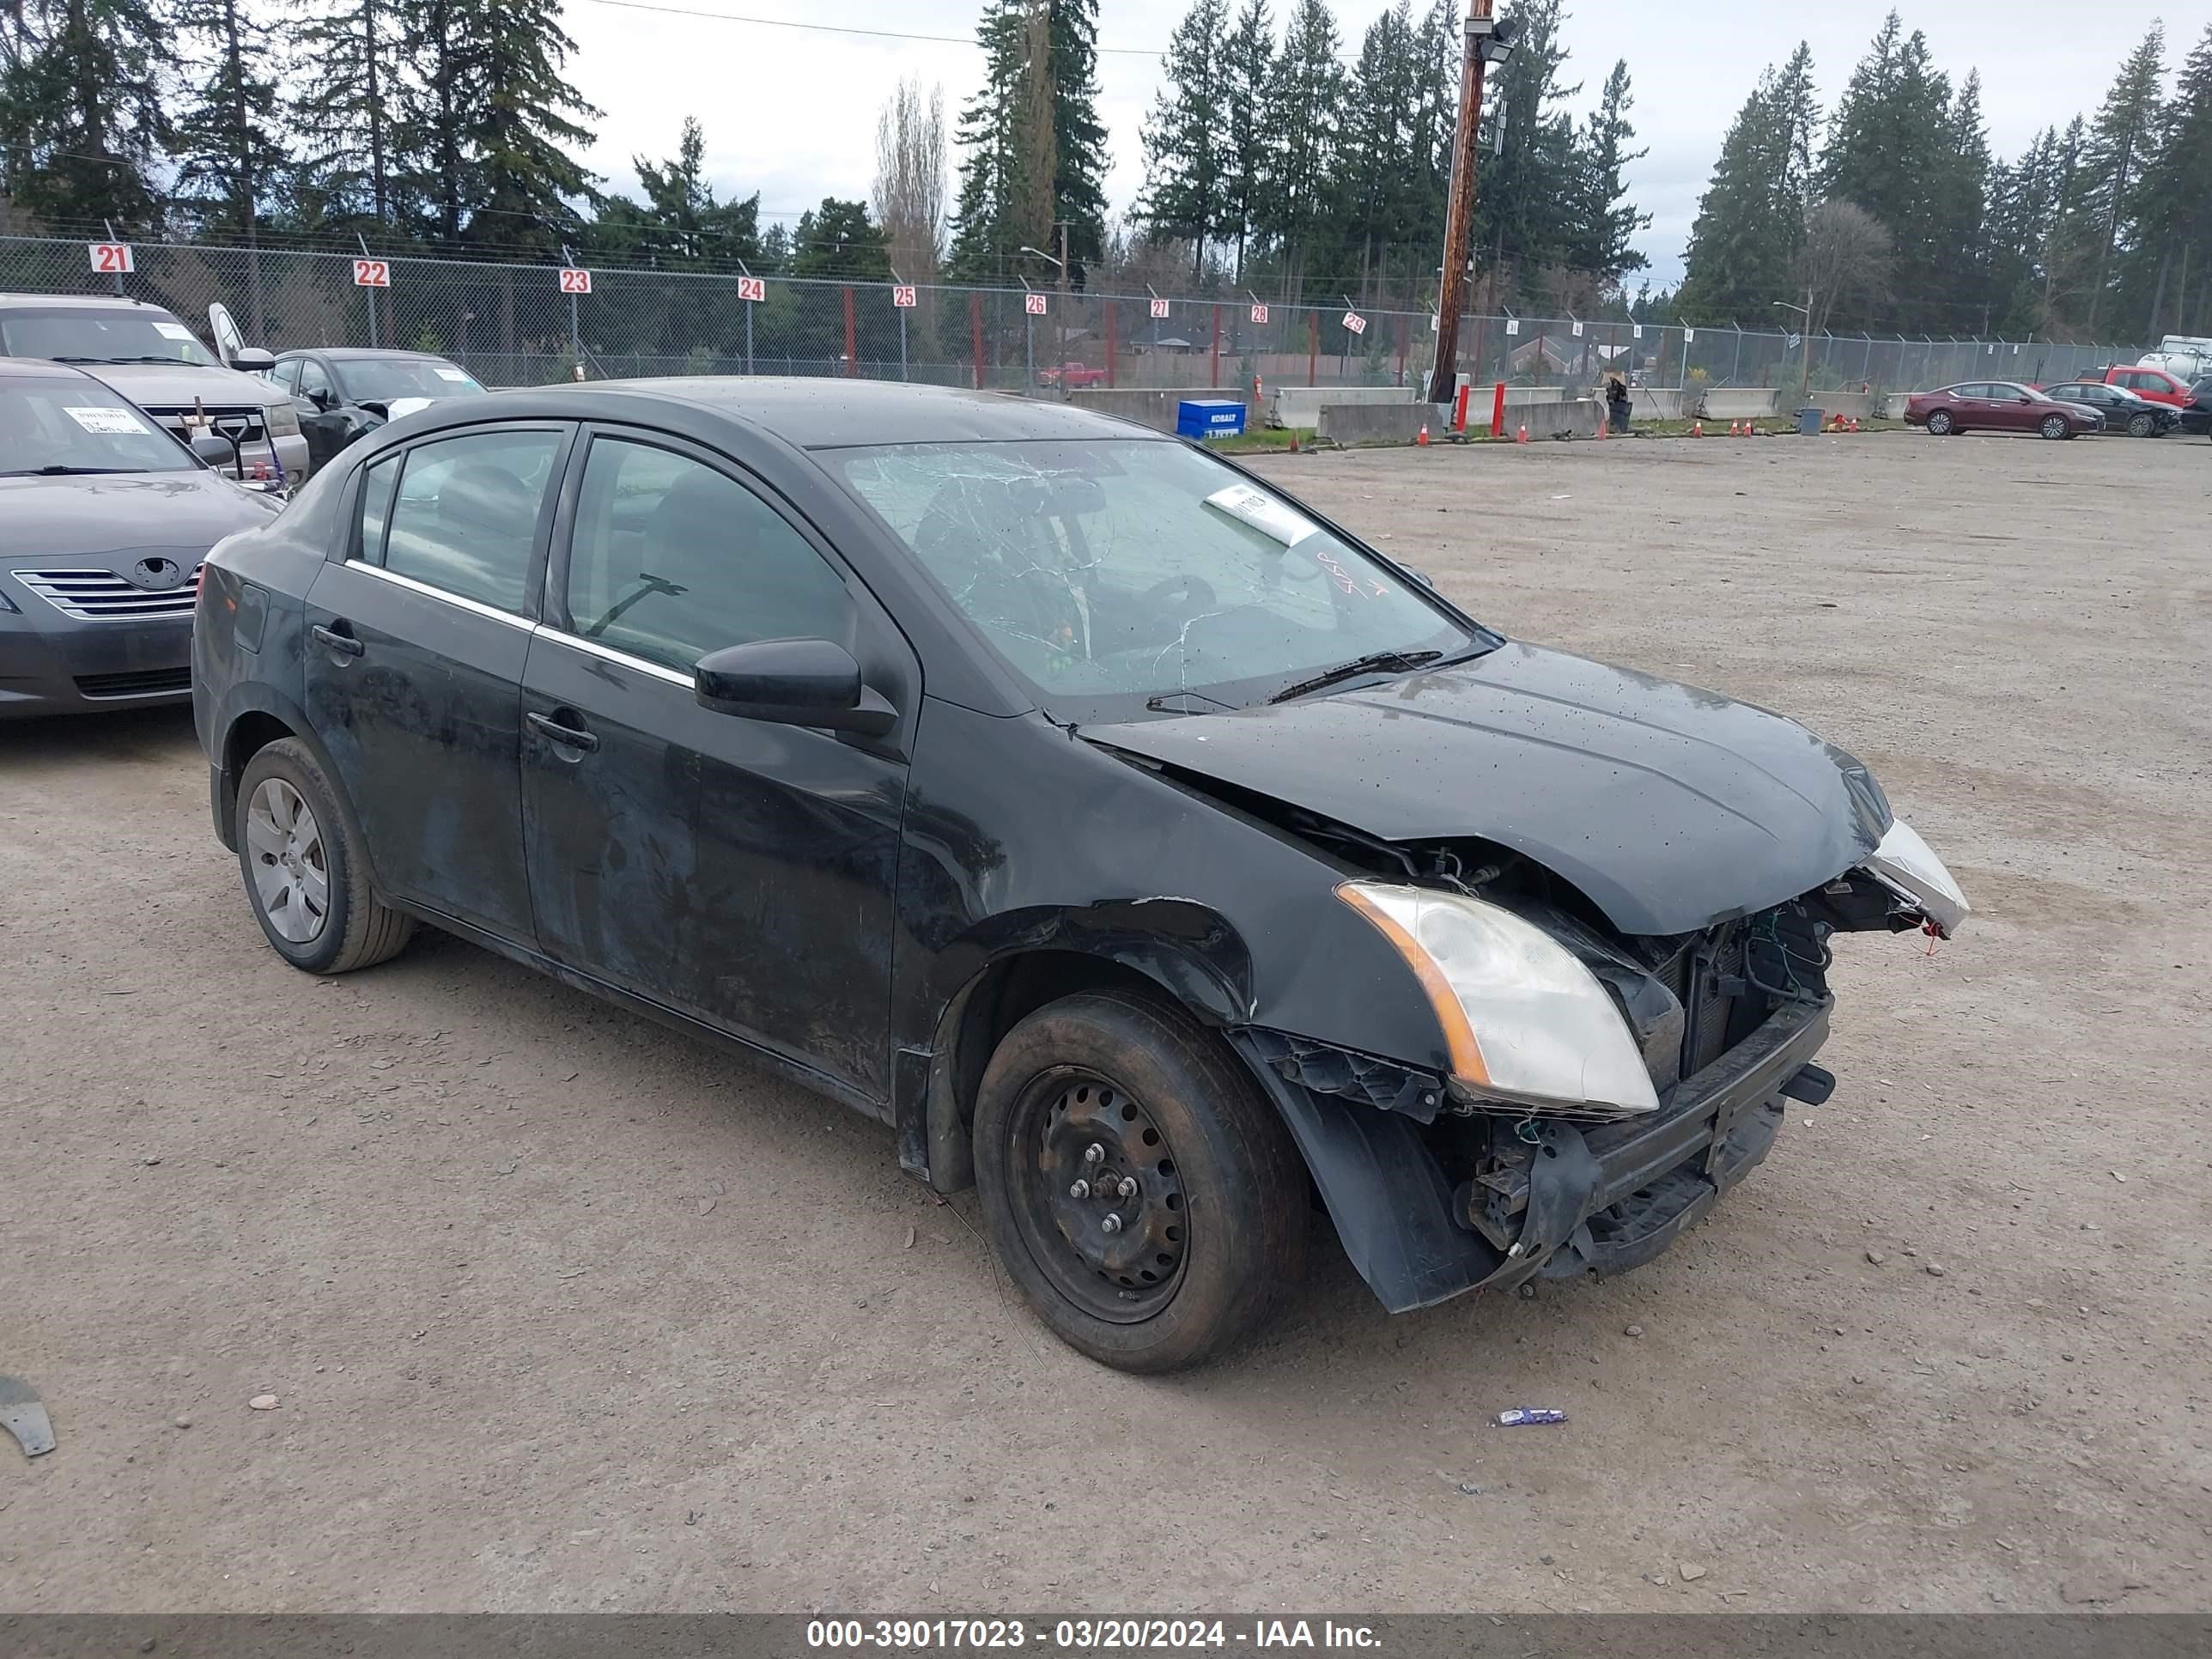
column 562, row 1313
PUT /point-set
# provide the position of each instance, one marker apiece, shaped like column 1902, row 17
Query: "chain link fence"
column 516, row 324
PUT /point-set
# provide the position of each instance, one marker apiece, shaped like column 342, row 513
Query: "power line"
column 837, row 28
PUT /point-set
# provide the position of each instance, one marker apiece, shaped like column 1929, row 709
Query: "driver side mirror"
column 213, row 449
column 252, row 359
column 322, row 397
column 792, row 682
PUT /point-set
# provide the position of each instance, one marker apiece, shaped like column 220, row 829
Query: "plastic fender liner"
column 1392, row 1206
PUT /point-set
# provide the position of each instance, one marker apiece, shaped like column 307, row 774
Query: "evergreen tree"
column 81, row 115
column 1380, row 194
column 1523, row 208
column 1303, row 115
column 1751, row 221
column 1958, row 212
column 2175, row 225
column 347, row 115
column 230, row 155
column 840, row 240
column 1185, row 194
column 1605, row 221
column 681, row 225
column 1247, row 69
column 1078, row 185
column 1888, row 154
column 980, row 246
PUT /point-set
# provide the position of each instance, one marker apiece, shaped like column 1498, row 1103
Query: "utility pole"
column 1486, row 43
column 1063, row 296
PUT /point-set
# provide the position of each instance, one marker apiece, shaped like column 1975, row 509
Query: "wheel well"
column 992, row 1004
column 249, row 734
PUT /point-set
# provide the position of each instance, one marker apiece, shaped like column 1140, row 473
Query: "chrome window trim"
column 476, row 607
column 658, row 671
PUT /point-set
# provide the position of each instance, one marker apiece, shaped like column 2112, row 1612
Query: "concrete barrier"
column 1154, row 407
column 1652, row 403
column 1577, row 417
column 1382, row 423
column 1300, row 405
column 1739, row 403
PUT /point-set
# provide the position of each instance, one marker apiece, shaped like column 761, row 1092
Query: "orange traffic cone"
column 1697, row 428
column 1601, row 424
column 1855, row 423
column 1423, row 441
column 1521, row 437
column 1294, row 443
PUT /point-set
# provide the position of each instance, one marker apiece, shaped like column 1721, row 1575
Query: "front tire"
column 2055, row 426
column 2142, row 426
column 1139, row 1188
column 305, row 874
column 1940, row 423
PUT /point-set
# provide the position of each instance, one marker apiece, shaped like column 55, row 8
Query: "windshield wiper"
column 58, row 471
column 1374, row 662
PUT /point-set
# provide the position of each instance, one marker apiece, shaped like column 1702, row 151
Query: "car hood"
column 1670, row 807
column 176, row 514
column 173, row 385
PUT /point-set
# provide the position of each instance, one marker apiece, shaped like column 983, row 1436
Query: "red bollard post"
column 1107, row 306
column 1498, row 411
column 1217, row 348
column 1313, row 348
column 1459, row 411
column 851, row 338
column 975, row 325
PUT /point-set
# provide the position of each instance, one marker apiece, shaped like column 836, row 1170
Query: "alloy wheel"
column 291, row 870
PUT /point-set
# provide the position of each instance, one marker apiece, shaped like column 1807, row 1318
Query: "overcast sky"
column 791, row 113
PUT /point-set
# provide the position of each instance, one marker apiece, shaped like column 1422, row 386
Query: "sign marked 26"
column 110, row 259
column 1033, row 304
column 371, row 273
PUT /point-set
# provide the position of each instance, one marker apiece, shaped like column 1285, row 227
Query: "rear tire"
column 1940, row 424
column 1140, row 1189
column 306, row 876
column 2055, row 426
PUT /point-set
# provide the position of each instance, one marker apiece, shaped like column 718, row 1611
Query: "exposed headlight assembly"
column 1525, row 1022
column 283, row 421
column 1909, row 868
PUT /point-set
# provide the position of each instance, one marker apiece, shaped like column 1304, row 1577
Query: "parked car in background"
column 352, row 390
column 143, row 352
column 1071, row 374
column 2159, row 386
column 1145, row 850
column 2124, row 410
column 2197, row 418
column 1999, row 407
column 105, row 518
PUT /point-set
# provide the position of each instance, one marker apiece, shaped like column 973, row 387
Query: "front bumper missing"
column 1596, row 1198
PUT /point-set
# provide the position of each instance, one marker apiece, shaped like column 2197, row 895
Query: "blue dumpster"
column 1209, row 417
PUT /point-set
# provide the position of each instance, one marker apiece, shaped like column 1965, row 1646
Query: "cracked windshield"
column 1141, row 570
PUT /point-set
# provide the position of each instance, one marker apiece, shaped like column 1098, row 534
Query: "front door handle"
column 569, row 737
column 344, row 644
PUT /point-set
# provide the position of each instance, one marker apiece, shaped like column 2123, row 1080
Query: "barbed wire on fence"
column 512, row 324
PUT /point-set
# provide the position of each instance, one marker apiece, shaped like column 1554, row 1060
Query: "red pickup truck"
column 1071, row 374
column 2145, row 381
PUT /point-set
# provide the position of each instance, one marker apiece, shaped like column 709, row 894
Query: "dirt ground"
column 562, row 1313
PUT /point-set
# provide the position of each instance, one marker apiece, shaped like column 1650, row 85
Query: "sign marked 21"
column 111, row 259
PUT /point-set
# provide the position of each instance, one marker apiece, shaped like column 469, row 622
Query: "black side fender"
column 255, row 697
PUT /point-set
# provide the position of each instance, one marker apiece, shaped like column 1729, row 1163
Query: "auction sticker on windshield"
column 106, row 420
column 454, row 375
column 1263, row 512
column 173, row 331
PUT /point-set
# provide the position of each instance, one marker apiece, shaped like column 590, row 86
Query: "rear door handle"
column 570, row 737
column 345, row 644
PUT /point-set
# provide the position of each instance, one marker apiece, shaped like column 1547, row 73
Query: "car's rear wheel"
column 2142, row 424
column 2056, row 426
column 1140, row 1191
column 1939, row 422
column 305, row 876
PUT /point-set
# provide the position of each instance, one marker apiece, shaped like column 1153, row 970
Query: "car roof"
column 351, row 354
column 38, row 369
column 821, row 413
column 86, row 302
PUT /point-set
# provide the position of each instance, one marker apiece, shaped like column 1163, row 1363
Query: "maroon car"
column 1999, row 407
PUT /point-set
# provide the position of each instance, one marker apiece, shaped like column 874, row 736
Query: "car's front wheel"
column 2056, row 426
column 2142, row 424
column 1939, row 423
column 1139, row 1188
column 305, row 874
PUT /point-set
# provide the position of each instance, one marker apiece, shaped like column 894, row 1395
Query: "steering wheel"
column 1197, row 593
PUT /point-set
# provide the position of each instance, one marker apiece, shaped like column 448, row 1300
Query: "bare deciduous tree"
column 909, row 192
column 1846, row 256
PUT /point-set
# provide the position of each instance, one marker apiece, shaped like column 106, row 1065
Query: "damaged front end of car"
column 1604, row 1089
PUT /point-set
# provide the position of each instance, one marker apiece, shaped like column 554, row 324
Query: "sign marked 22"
column 371, row 273
column 110, row 259
column 573, row 281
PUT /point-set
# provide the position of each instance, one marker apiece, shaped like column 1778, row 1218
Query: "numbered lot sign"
column 371, row 273
column 1259, row 313
column 111, row 259
column 1355, row 323
column 573, row 281
column 754, row 288
column 1159, row 307
column 1512, row 325
column 1033, row 304
column 903, row 296
column 1579, row 331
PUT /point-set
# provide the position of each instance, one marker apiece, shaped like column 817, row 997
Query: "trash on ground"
column 23, row 1416
column 1520, row 1414
column 262, row 1402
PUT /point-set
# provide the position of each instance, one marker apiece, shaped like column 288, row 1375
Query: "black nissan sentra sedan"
column 1143, row 849
column 104, row 519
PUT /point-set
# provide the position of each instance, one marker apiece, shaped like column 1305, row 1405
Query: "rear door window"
column 465, row 516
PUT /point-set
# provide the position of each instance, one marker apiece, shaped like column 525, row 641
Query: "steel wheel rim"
column 291, row 869
column 1064, row 1194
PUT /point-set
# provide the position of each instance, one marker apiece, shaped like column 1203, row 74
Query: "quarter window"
column 376, row 487
column 672, row 560
column 466, row 517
